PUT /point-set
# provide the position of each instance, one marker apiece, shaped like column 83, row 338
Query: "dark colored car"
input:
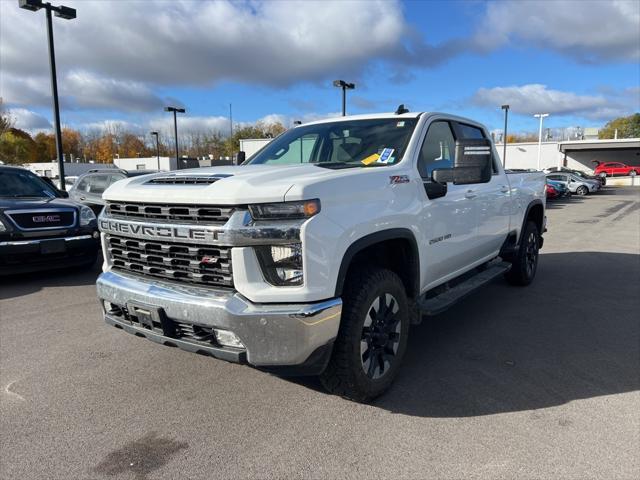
column 560, row 187
column 89, row 187
column 40, row 229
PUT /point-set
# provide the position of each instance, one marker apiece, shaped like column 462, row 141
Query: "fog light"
column 227, row 338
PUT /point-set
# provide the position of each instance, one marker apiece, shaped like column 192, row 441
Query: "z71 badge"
column 395, row 179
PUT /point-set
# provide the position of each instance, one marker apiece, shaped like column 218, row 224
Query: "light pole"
column 345, row 86
column 175, row 110
column 65, row 13
column 155, row 134
column 541, row 116
column 504, row 136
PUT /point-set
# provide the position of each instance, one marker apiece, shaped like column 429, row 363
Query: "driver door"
column 448, row 224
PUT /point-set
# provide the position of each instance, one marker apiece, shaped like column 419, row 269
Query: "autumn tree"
column 132, row 146
column 17, row 147
column 627, row 127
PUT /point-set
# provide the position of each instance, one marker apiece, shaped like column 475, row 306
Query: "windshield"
column 355, row 143
column 17, row 183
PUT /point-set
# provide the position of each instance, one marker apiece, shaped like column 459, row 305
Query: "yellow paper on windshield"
column 371, row 159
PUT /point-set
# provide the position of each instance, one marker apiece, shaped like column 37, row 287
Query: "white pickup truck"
column 317, row 254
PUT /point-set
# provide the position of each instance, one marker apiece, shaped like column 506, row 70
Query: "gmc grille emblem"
column 46, row 218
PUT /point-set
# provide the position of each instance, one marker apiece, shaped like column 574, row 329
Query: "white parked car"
column 316, row 254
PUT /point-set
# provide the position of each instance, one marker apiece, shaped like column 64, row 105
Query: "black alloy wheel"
column 380, row 336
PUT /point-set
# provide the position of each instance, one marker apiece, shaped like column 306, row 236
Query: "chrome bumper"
column 273, row 334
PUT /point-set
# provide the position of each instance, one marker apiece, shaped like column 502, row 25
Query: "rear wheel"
column 525, row 264
column 632, row 173
column 372, row 338
column 582, row 190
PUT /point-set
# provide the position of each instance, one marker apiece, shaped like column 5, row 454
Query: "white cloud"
column 592, row 32
column 537, row 98
column 200, row 43
column 28, row 120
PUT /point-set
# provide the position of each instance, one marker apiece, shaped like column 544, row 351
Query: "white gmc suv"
column 317, row 254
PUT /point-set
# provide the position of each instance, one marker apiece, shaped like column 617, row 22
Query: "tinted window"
column 98, row 184
column 437, row 149
column 467, row 131
column 19, row 183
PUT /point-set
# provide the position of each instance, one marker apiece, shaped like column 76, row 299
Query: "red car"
column 612, row 169
column 551, row 192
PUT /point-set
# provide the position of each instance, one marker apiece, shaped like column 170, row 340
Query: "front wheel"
column 525, row 264
column 632, row 173
column 372, row 338
column 582, row 190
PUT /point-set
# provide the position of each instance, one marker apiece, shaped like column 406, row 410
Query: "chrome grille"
column 181, row 213
column 198, row 264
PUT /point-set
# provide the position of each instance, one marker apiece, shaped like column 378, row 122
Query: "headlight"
column 86, row 216
column 285, row 210
column 281, row 264
column 3, row 228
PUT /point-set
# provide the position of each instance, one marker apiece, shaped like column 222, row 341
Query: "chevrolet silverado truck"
column 316, row 254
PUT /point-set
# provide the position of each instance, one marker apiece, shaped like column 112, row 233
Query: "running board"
column 441, row 302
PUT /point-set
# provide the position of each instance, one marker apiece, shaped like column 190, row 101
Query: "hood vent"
column 187, row 179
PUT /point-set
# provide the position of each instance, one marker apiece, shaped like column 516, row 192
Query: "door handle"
column 504, row 189
column 83, row 198
column 470, row 194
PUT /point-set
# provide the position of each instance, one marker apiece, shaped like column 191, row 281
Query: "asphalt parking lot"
column 540, row 382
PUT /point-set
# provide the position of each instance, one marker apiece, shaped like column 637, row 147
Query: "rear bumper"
column 273, row 335
column 26, row 255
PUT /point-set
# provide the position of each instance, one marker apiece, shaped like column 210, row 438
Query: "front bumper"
column 274, row 335
column 29, row 255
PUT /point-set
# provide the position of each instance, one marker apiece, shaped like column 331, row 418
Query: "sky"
column 122, row 61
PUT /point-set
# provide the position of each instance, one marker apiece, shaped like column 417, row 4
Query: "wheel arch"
column 396, row 249
column 535, row 212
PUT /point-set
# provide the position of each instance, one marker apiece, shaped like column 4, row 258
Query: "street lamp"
column 504, row 136
column 65, row 13
column 175, row 110
column 541, row 116
column 345, row 86
column 155, row 134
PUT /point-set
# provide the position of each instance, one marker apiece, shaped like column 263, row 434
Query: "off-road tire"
column 522, row 271
column 345, row 374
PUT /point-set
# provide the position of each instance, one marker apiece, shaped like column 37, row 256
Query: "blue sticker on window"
column 385, row 155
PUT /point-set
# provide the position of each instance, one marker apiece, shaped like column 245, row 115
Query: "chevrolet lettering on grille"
column 175, row 233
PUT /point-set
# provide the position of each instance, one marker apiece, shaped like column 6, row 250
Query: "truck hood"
column 230, row 185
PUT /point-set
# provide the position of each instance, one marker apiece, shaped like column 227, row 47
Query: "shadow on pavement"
column 13, row 286
column 564, row 201
column 573, row 334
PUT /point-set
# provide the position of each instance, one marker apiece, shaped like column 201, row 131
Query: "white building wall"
column 145, row 163
column 525, row 155
column 251, row 145
column 50, row 169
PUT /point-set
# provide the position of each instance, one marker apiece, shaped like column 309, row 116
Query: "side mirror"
column 472, row 164
column 63, row 194
column 241, row 157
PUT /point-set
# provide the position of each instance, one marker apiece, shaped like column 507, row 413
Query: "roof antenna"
column 401, row 109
